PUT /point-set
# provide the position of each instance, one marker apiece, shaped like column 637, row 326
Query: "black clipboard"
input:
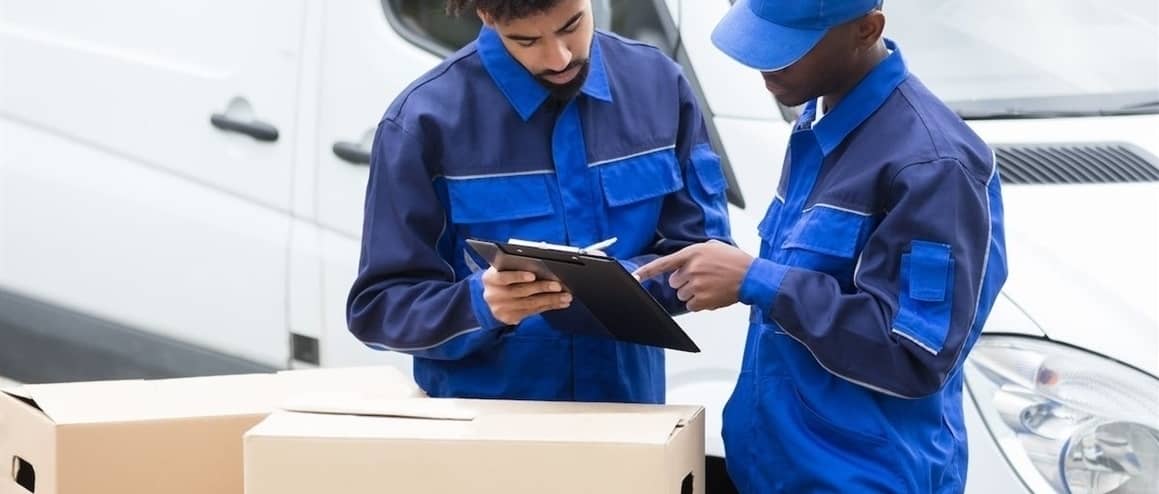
column 607, row 299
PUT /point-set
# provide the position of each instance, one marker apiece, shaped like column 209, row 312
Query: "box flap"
column 355, row 403
column 434, row 418
column 132, row 400
column 210, row 396
column 382, row 381
column 367, row 404
column 284, row 424
column 19, row 391
column 61, row 402
column 629, row 428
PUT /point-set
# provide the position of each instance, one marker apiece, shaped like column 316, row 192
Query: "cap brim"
column 761, row 44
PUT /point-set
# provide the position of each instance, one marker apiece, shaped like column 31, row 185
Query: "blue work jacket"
column 476, row 148
column 881, row 257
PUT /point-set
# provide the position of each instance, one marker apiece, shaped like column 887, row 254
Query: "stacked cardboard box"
column 169, row 436
column 352, row 430
column 476, row 446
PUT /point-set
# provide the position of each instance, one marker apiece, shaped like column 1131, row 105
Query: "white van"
column 181, row 190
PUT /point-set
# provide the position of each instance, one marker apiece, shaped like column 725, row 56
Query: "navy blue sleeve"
column 921, row 279
column 698, row 212
column 406, row 297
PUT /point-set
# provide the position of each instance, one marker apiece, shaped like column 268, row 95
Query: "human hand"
column 706, row 276
column 516, row 295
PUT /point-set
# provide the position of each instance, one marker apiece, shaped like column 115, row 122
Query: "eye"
column 526, row 44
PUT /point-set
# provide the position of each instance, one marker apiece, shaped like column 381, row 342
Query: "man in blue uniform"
column 882, row 255
column 542, row 129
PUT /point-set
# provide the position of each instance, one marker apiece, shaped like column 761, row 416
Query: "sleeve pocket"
column 925, row 296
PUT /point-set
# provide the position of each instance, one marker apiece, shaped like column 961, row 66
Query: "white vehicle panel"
column 141, row 79
column 365, row 64
column 339, row 347
column 93, row 232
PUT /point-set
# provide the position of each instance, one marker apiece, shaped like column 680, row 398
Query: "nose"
column 558, row 57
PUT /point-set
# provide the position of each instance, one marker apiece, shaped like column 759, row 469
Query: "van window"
column 426, row 24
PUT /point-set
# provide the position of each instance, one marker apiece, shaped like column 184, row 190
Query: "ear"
column 870, row 28
column 486, row 18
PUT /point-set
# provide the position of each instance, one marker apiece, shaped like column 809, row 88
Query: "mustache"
column 572, row 65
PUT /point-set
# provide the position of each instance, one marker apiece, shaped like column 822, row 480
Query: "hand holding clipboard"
column 607, row 299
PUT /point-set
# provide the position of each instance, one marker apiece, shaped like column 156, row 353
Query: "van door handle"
column 352, row 152
column 256, row 129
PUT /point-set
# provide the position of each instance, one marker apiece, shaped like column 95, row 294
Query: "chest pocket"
column 502, row 207
column 826, row 240
column 633, row 192
column 768, row 225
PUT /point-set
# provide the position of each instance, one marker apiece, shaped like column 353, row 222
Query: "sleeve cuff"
column 762, row 282
column 482, row 311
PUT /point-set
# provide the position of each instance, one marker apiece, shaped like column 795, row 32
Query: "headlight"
column 1068, row 420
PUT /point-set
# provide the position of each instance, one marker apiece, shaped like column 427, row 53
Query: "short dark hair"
column 503, row 10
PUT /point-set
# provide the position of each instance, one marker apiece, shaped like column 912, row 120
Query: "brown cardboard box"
column 476, row 446
column 169, row 436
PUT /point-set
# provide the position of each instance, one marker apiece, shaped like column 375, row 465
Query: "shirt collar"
column 525, row 93
column 860, row 103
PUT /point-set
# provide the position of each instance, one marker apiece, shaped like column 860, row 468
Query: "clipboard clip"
column 593, row 249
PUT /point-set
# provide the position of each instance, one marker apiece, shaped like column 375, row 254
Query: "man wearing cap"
column 882, row 254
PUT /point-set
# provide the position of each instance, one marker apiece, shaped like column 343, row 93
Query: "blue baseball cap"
column 770, row 35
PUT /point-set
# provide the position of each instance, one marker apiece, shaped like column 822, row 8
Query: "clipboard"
column 606, row 299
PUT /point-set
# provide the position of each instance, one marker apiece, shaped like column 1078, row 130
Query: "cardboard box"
column 169, row 436
column 476, row 446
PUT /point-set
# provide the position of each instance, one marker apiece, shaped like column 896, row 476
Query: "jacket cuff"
column 761, row 283
column 480, row 307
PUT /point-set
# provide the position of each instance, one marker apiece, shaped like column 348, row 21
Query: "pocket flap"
column 925, row 299
column 708, row 169
column 499, row 198
column 828, row 231
column 640, row 177
column 929, row 269
column 772, row 215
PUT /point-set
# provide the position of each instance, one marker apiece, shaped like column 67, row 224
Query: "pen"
column 600, row 245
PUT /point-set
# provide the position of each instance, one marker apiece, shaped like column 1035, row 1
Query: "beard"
column 568, row 90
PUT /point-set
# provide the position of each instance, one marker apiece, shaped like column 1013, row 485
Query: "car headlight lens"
column 1068, row 420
